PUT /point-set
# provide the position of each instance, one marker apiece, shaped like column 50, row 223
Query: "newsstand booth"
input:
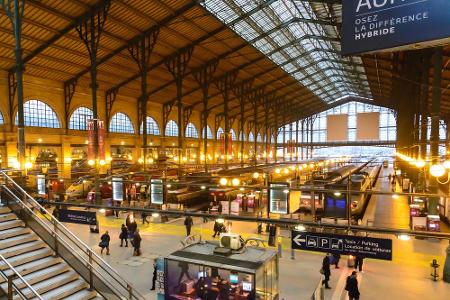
column 196, row 272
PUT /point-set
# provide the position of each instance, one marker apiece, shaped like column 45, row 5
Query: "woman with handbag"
column 104, row 242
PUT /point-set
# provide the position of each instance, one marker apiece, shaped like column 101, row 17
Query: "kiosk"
column 202, row 271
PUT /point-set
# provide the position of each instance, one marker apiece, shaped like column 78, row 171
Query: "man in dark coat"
column 326, row 271
column 137, row 243
column 188, row 222
column 359, row 261
column 352, row 287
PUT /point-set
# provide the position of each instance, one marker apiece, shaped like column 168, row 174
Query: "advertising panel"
column 372, row 25
column 117, row 189
column 78, row 217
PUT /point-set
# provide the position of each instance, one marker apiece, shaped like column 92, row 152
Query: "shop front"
column 199, row 272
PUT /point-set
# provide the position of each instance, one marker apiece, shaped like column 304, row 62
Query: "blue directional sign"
column 343, row 244
column 371, row 25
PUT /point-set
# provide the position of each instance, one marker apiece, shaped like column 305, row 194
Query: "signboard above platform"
column 343, row 244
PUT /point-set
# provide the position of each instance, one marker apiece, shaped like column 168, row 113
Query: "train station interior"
column 224, row 149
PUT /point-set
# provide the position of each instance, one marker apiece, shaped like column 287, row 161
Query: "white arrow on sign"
column 298, row 239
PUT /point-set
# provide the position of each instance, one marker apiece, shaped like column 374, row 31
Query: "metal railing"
column 318, row 293
column 98, row 273
column 12, row 288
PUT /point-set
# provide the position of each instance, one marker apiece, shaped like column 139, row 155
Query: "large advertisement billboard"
column 373, row 25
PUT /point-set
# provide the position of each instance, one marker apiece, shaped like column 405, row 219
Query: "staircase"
column 46, row 259
column 51, row 277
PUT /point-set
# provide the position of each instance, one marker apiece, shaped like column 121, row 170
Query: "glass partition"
column 186, row 280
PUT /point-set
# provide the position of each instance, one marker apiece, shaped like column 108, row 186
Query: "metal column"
column 177, row 67
column 434, row 139
column 203, row 78
column 15, row 15
column 141, row 52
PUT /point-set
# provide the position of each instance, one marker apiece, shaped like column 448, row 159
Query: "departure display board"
column 278, row 198
column 117, row 188
column 157, row 191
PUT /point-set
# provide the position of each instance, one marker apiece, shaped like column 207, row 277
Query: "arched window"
column 38, row 114
column 251, row 137
column 209, row 134
column 152, row 127
column 241, row 136
column 233, row 135
column 191, row 131
column 219, row 132
column 272, row 139
column 121, row 123
column 259, row 138
column 2, row 121
column 171, row 128
column 80, row 116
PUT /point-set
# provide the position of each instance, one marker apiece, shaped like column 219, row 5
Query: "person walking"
column 351, row 286
column 155, row 272
column 359, row 261
column 144, row 218
column 104, row 242
column 326, row 270
column 123, row 236
column 188, row 222
column 217, row 228
column 137, row 243
column 336, row 258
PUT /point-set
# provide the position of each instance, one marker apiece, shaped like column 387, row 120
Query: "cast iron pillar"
column 141, row 51
column 297, row 124
column 241, row 92
column 204, row 78
column 14, row 11
column 224, row 85
column 424, row 108
column 89, row 32
column 434, row 138
column 177, row 67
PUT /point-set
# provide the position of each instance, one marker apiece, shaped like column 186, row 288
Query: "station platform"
column 385, row 211
column 298, row 277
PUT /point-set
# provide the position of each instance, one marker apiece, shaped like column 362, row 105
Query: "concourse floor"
column 406, row 277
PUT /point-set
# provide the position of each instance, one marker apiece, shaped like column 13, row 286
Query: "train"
column 363, row 179
column 319, row 183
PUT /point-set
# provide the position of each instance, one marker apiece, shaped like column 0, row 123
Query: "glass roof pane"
column 270, row 26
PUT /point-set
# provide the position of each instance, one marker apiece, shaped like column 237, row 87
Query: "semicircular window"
column 191, row 131
column 251, row 137
column 233, row 135
column 79, row 118
column 171, row 128
column 121, row 123
column 38, row 114
column 209, row 134
column 241, row 136
column 152, row 127
column 219, row 132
